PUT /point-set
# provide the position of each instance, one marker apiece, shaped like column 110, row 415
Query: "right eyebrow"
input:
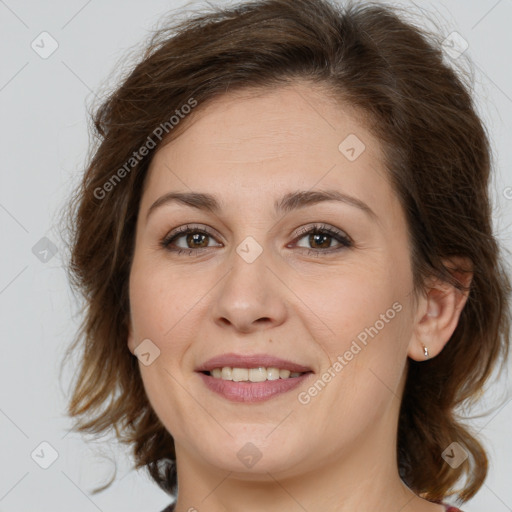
column 289, row 202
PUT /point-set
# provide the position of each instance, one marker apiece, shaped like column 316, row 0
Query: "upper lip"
column 250, row 361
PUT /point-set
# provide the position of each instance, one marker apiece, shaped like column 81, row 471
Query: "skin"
column 337, row 452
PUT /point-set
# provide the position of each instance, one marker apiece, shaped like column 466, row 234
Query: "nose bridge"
column 249, row 292
column 249, row 267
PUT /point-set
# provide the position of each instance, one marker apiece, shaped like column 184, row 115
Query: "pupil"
column 314, row 239
column 196, row 238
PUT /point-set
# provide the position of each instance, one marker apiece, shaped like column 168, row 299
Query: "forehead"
column 273, row 140
column 276, row 121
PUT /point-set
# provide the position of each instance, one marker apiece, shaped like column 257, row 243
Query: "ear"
column 439, row 310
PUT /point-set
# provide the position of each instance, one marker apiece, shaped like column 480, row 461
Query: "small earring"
column 425, row 351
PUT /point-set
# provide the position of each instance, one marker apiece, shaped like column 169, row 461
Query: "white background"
column 44, row 142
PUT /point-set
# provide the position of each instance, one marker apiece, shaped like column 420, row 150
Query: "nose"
column 250, row 297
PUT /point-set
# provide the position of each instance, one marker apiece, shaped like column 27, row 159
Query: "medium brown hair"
column 438, row 157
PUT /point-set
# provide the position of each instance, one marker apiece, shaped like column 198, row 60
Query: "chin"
column 253, row 457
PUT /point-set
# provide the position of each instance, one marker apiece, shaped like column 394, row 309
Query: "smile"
column 259, row 374
column 248, row 391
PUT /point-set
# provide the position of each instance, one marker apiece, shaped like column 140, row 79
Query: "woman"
column 284, row 240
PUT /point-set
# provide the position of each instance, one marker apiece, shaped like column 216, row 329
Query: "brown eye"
column 193, row 239
column 196, row 239
column 320, row 239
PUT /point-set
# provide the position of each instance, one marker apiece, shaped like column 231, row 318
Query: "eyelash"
column 339, row 236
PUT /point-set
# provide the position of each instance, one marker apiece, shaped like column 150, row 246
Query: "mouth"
column 258, row 374
column 251, row 378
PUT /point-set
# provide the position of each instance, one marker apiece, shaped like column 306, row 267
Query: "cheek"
column 159, row 300
column 359, row 318
column 345, row 302
column 367, row 365
column 159, row 305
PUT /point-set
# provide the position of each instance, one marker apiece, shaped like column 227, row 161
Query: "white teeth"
column 240, row 374
column 273, row 373
column 226, row 373
column 259, row 374
column 284, row 374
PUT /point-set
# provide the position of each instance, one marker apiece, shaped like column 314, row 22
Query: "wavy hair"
column 438, row 157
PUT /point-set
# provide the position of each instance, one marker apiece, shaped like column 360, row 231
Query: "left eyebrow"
column 291, row 201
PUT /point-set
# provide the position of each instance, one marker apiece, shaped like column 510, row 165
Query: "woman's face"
column 253, row 281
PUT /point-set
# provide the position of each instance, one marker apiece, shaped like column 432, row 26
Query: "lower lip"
column 252, row 391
